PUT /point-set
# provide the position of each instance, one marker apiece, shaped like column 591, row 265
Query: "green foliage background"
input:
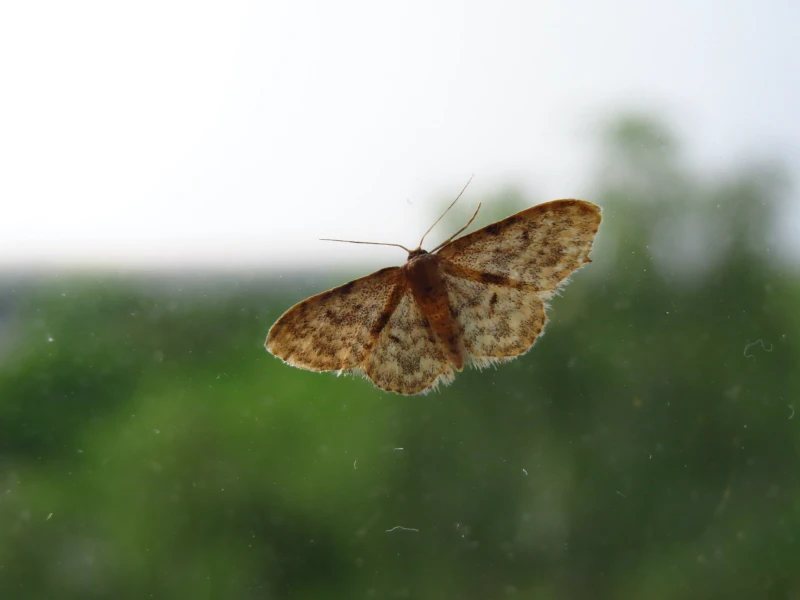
column 646, row 448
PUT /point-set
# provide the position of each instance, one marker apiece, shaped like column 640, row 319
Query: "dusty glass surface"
column 646, row 448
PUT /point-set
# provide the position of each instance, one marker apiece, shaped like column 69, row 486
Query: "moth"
column 477, row 300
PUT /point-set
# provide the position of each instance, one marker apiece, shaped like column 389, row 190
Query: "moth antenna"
column 445, row 212
column 443, row 244
column 370, row 243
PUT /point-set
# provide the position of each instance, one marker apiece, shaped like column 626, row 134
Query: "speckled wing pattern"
column 536, row 248
column 499, row 278
column 407, row 358
column 335, row 330
column 498, row 322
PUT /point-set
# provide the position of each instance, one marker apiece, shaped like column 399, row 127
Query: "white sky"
column 237, row 133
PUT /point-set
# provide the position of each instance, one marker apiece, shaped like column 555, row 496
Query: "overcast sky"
column 237, row 133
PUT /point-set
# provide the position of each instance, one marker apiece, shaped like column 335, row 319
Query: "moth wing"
column 498, row 322
column 406, row 357
column 539, row 246
column 335, row 330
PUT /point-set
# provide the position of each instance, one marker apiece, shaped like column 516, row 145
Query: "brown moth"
column 475, row 300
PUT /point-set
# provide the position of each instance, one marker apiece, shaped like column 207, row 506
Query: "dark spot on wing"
column 381, row 322
column 493, row 300
column 394, row 338
column 494, row 278
column 494, row 228
column 347, row 287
